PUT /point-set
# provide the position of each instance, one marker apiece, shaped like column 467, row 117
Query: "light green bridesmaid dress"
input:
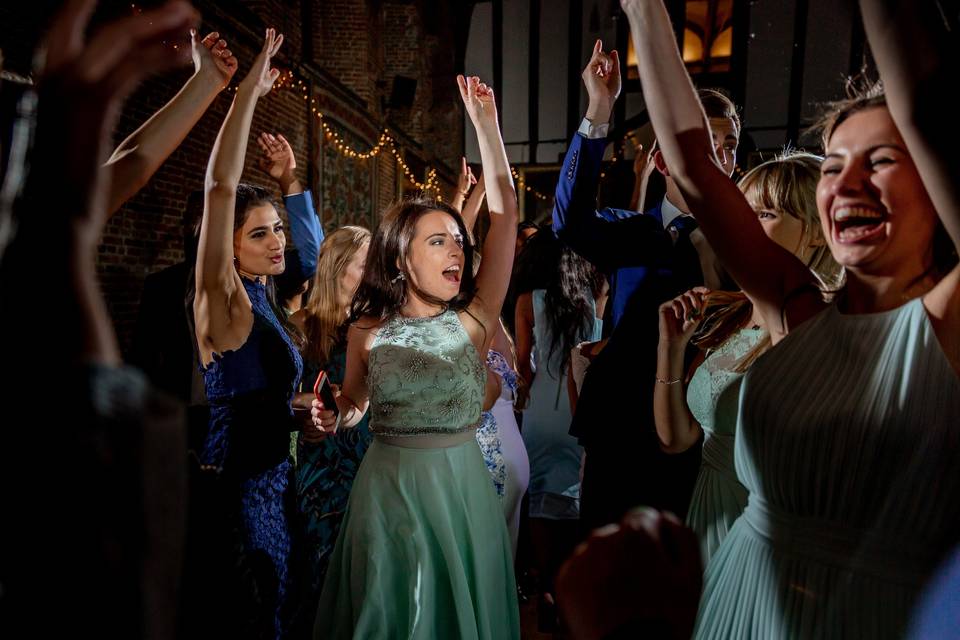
column 423, row 552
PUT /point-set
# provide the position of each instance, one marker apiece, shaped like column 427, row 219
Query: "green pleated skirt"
column 423, row 552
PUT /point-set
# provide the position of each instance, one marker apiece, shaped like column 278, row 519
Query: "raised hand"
column 466, row 179
column 479, row 101
column 83, row 83
column 680, row 317
column 602, row 79
column 262, row 76
column 212, row 58
column 278, row 159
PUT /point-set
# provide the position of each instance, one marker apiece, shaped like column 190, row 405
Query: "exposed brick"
column 361, row 44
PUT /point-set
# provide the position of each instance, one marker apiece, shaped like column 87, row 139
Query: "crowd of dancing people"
column 729, row 410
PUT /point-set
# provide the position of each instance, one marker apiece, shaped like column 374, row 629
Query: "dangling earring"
column 397, row 279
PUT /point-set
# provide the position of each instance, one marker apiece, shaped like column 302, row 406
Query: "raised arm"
column 604, row 238
column 465, row 180
column 500, row 243
column 216, row 278
column 575, row 219
column 134, row 162
column 676, row 427
column 915, row 53
column 306, row 233
column 765, row 271
column 471, row 209
column 81, row 90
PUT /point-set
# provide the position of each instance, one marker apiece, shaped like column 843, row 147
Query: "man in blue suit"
column 648, row 258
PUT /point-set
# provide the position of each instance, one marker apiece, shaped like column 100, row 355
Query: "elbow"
column 673, row 447
column 220, row 189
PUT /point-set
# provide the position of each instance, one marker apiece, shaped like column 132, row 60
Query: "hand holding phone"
column 325, row 414
column 324, row 393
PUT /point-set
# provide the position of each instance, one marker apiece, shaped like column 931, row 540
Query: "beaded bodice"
column 425, row 377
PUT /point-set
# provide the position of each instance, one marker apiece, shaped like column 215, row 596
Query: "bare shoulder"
column 364, row 329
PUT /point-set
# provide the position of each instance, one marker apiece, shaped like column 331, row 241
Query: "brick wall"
column 357, row 47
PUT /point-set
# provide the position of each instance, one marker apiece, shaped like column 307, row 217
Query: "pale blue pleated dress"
column 423, row 552
column 713, row 396
column 849, row 444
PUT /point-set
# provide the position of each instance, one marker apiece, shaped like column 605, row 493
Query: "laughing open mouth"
column 853, row 224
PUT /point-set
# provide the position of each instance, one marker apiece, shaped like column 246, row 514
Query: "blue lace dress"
column 502, row 446
column 488, row 436
column 249, row 390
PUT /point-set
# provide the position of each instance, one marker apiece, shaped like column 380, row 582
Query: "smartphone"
column 324, row 393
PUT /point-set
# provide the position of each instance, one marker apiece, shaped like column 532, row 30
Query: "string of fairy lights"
column 386, row 141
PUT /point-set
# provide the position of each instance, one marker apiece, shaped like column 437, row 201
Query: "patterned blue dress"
column 488, row 436
column 325, row 473
column 249, row 390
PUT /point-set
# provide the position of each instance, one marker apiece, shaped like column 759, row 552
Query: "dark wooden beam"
column 795, row 106
column 574, row 64
column 533, row 74
column 498, row 55
column 738, row 56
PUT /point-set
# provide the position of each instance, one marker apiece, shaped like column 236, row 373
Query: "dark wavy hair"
column 382, row 293
column 248, row 197
column 570, row 283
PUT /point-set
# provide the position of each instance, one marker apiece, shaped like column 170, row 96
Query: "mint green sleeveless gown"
column 713, row 394
column 848, row 441
column 423, row 551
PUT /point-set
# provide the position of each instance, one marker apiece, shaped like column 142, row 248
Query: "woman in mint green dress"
column 423, row 551
column 848, row 437
column 783, row 193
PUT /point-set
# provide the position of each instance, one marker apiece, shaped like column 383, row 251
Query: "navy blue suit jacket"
column 614, row 418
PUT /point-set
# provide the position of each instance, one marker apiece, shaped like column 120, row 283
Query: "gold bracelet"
column 660, row 381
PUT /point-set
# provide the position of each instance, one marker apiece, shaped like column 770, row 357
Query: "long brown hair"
column 383, row 290
column 323, row 313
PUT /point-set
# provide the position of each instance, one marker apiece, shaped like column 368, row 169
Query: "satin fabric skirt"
column 423, row 552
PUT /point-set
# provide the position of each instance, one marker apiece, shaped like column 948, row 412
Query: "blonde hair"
column 787, row 185
column 324, row 312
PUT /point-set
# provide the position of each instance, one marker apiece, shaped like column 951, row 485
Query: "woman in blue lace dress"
column 251, row 367
column 326, row 467
column 423, row 552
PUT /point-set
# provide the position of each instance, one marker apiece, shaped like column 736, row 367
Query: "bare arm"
column 523, row 327
column 915, row 55
column 500, row 243
column 216, row 278
column 676, row 427
column 464, row 181
column 354, row 398
column 765, row 271
column 471, row 209
column 137, row 158
column 82, row 88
